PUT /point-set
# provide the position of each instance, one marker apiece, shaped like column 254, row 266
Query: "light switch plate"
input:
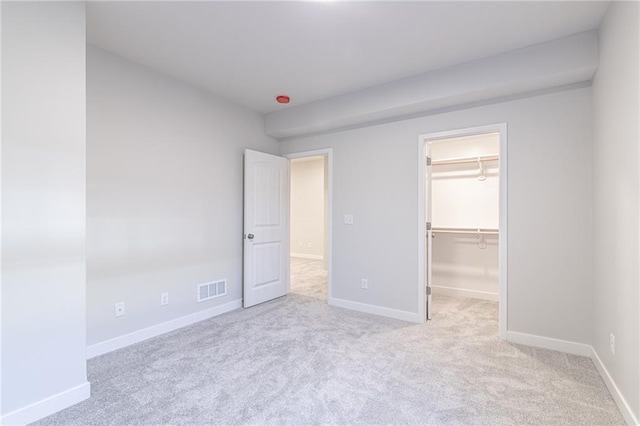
column 348, row 219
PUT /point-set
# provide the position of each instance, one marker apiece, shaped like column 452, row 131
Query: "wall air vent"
column 212, row 290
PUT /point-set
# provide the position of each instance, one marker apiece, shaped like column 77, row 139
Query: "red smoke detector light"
column 282, row 99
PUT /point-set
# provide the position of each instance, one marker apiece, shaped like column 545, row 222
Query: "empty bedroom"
column 320, row 212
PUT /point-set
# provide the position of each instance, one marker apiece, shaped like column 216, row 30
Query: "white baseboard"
column 549, row 343
column 307, row 256
column 45, row 407
column 373, row 309
column 158, row 329
column 475, row 294
column 620, row 401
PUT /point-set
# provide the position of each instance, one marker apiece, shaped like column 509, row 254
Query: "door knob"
column 250, row 236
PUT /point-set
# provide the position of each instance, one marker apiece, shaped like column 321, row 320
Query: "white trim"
column 503, row 224
column 158, row 329
column 373, row 309
column 45, row 407
column 620, row 401
column 503, row 253
column 422, row 220
column 307, row 256
column 463, row 292
column 328, row 153
column 565, row 346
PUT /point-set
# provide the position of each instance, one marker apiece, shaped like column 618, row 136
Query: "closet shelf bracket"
column 482, row 173
column 482, row 242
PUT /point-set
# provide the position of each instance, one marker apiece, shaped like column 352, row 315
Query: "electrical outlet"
column 612, row 343
column 364, row 284
column 164, row 299
column 119, row 309
column 348, row 219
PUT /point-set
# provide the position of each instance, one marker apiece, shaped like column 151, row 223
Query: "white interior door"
column 266, row 227
column 429, row 233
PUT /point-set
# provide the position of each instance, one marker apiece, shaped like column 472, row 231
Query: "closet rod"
column 465, row 160
column 474, row 231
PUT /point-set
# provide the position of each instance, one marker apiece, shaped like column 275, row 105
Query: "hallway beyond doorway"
column 309, row 278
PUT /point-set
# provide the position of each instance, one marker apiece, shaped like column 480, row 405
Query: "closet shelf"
column 462, row 160
column 474, row 231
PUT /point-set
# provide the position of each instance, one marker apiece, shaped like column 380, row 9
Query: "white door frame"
column 328, row 153
column 502, row 238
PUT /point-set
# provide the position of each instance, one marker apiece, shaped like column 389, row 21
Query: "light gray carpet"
column 308, row 278
column 297, row 361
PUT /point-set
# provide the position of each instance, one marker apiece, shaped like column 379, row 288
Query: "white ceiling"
column 249, row 52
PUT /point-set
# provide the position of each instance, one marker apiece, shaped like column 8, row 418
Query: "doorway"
column 462, row 223
column 310, row 224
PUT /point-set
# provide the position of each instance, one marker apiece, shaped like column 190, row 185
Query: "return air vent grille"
column 212, row 290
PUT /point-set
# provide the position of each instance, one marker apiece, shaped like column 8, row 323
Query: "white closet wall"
column 307, row 207
column 461, row 200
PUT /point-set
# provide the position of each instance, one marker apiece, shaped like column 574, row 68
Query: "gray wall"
column 43, row 202
column 549, row 154
column 164, row 194
column 616, row 192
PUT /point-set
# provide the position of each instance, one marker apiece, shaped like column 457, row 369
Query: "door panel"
column 266, row 227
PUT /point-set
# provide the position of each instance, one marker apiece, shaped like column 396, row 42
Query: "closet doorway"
column 462, row 196
column 310, row 223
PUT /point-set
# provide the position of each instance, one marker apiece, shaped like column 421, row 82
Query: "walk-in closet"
column 463, row 203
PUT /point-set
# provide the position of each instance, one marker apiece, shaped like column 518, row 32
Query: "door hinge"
column 428, row 226
column 428, row 291
column 428, row 161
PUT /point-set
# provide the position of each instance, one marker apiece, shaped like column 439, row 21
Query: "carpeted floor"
column 298, row 361
column 308, row 278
